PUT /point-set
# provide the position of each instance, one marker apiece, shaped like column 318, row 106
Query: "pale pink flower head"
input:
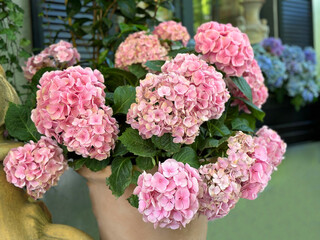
column 179, row 100
column 241, row 149
column 273, row 143
column 173, row 31
column 255, row 80
column 35, row 63
column 36, row 166
column 139, row 48
column 59, row 55
column 268, row 153
column 225, row 46
column 221, row 191
column 210, row 92
column 70, row 108
column 164, row 106
column 64, row 53
column 259, row 176
column 169, row 198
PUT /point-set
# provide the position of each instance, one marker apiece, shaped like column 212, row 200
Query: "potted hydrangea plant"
column 169, row 132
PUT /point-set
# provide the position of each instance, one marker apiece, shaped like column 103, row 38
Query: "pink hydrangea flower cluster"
column 255, row 80
column 268, row 157
column 241, row 155
column 60, row 55
column 169, row 198
column 221, row 190
column 35, row 63
column 244, row 173
column 173, row 31
column 275, row 146
column 70, row 108
column 36, row 166
column 225, row 46
column 64, row 53
column 179, row 100
column 250, row 161
column 139, row 48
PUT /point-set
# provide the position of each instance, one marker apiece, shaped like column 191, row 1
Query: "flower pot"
column 118, row 220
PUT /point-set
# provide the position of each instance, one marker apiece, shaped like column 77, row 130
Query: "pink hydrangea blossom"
column 64, row 52
column 36, row 166
column 255, row 80
column 260, row 174
column 35, row 63
column 169, row 197
column 273, row 143
column 241, row 155
column 173, row 31
column 220, row 192
column 70, row 108
column 269, row 151
column 211, row 91
column 179, row 100
column 139, row 48
column 225, row 46
column 60, row 55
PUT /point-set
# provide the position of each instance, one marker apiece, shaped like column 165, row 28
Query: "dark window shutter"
column 295, row 22
column 51, row 26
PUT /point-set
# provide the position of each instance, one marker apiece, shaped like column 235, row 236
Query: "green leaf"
column 127, row 8
column 119, row 150
column 135, row 144
column 120, row 178
column 24, row 54
column 9, row 74
column 133, row 200
column 3, row 44
column 166, row 143
column 19, row 124
column 78, row 163
column 217, row 128
column 243, row 86
column 241, row 124
column 257, row 112
column 250, row 118
column 103, row 56
column 73, row 7
column 3, row 15
column 297, row 102
column 174, row 53
column 155, row 65
column 25, row 42
column 10, row 33
column 139, row 71
column 3, row 59
column 211, row 143
column 108, row 40
column 199, row 142
column 127, row 28
column 96, row 165
column 135, row 176
column 123, row 96
column 187, row 155
column 128, row 76
column 145, row 163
